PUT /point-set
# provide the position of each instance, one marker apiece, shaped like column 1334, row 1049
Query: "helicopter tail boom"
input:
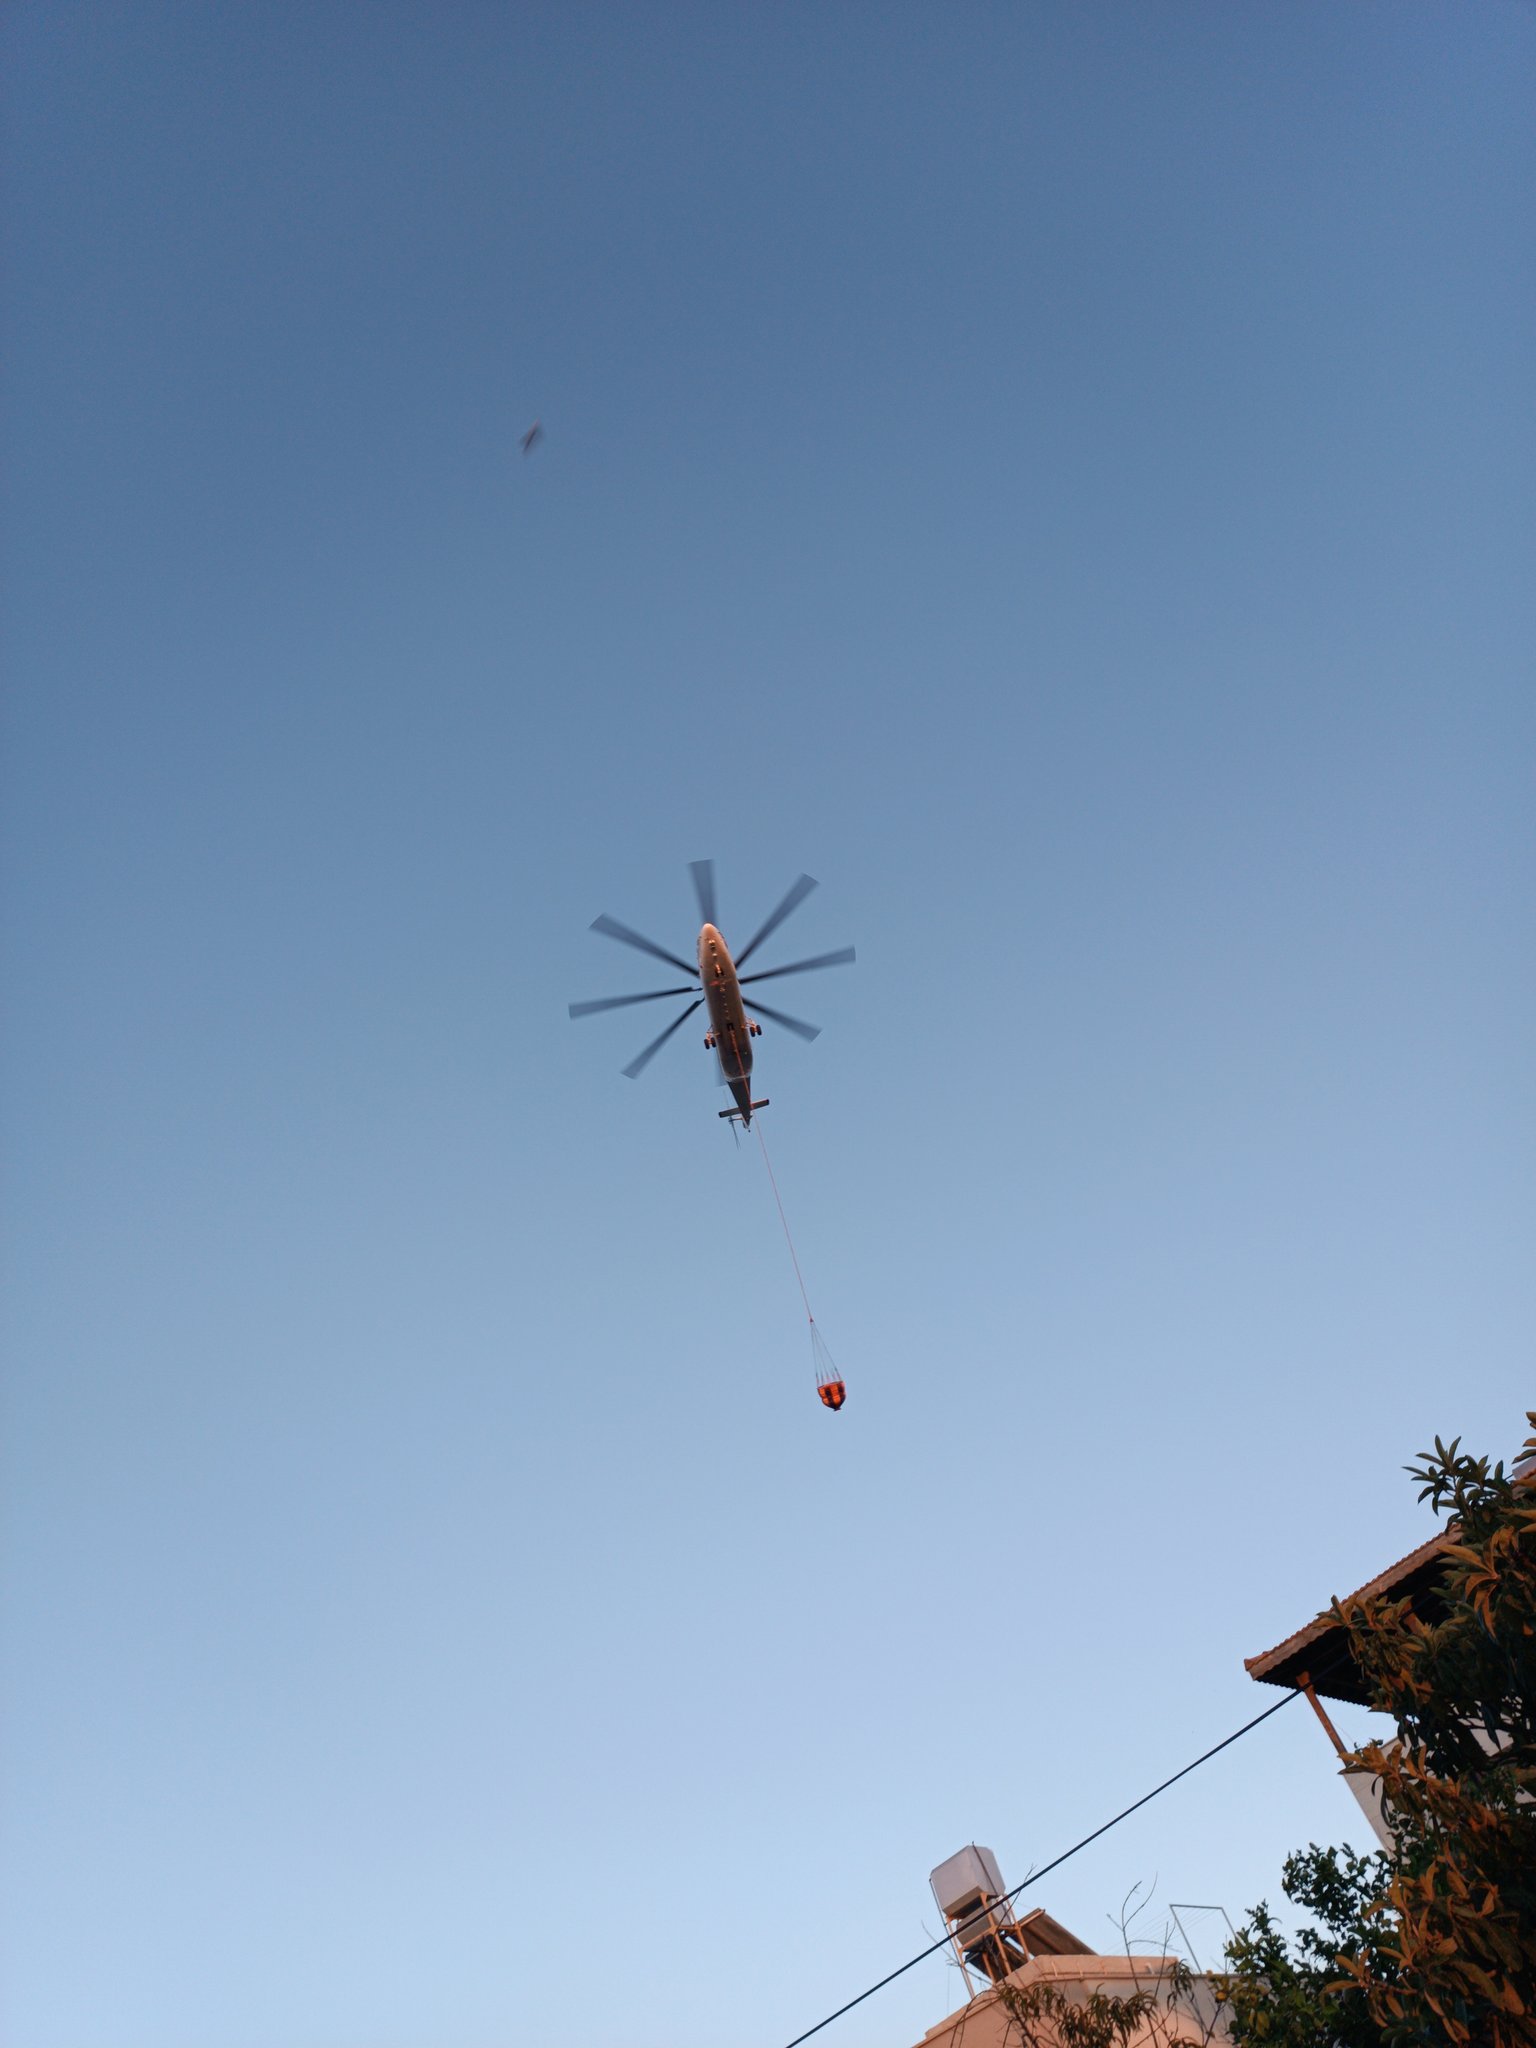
column 742, row 1115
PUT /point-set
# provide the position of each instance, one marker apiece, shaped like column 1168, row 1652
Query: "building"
column 1317, row 1660
column 999, row 1954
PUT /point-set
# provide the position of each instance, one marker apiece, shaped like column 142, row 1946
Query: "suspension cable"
column 800, row 1277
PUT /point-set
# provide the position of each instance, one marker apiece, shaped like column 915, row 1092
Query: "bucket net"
column 830, row 1390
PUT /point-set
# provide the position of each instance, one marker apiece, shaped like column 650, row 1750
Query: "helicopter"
column 716, row 980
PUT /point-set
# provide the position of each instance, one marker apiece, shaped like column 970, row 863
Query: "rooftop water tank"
column 965, row 1881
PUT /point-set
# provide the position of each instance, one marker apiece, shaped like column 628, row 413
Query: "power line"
column 1036, row 1875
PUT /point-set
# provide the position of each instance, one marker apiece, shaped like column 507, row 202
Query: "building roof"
column 1319, row 1655
column 985, row 2022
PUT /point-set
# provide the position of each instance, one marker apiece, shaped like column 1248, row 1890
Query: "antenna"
column 1209, row 1931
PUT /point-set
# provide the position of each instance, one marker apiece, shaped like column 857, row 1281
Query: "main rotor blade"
column 642, row 1060
column 620, row 1002
column 842, row 958
column 703, row 873
column 776, row 917
column 806, row 1031
column 612, row 929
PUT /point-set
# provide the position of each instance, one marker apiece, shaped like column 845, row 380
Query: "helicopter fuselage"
column 731, row 1031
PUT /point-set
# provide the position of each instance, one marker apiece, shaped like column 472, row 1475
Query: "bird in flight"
column 533, row 437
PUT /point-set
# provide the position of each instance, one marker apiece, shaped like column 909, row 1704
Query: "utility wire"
column 1036, row 1875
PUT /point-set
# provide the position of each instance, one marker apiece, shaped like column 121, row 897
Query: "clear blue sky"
column 1064, row 477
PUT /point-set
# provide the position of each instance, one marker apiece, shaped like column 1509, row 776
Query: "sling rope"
column 800, row 1277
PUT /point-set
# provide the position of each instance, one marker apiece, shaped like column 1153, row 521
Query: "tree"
column 1290, row 1994
column 1042, row 2015
column 1444, row 1953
